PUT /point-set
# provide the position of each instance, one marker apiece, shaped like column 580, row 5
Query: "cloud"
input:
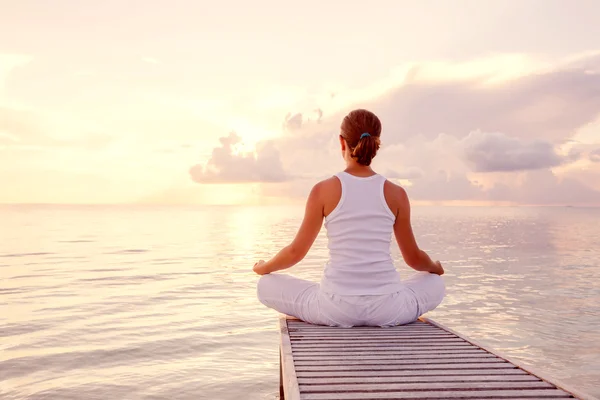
column 422, row 157
column 227, row 166
column 292, row 121
column 8, row 62
column 19, row 126
column 589, row 176
column 539, row 187
column 473, row 136
column 495, row 152
column 319, row 113
column 573, row 155
column 594, row 155
column 546, row 104
column 27, row 129
column 405, row 173
column 6, row 137
column 543, row 187
column 445, row 186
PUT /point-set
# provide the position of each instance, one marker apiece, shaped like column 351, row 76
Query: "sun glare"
column 249, row 132
column 230, row 194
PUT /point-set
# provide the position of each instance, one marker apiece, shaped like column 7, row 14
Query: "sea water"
column 133, row 302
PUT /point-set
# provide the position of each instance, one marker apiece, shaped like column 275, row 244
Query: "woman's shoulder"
column 328, row 191
column 331, row 183
column 395, row 194
column 394, row 187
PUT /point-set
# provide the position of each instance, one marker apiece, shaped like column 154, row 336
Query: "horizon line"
column 414, row 203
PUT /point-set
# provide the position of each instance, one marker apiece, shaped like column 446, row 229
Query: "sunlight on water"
column 159, row 303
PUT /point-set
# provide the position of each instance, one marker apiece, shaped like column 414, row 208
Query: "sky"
column 233, row 102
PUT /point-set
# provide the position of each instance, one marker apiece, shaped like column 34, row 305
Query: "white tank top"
column 359, row 232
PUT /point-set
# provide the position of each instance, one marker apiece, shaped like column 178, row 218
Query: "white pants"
column 304, row 300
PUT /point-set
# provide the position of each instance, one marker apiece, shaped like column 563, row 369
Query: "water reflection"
column 160, row 302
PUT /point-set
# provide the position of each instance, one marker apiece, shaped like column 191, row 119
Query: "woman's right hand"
column 437, row 268
column 259, row 267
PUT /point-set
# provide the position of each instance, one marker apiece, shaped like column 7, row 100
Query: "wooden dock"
column 422, row 360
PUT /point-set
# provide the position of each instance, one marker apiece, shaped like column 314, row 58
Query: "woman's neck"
column 354, row 168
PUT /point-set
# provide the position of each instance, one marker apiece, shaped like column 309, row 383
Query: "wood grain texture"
column 421, row 360
column 289, row 381
column 397, row 344
column 441, row 394
column 406, row 373
column 406, row 367
column 562, row 385
column 386, row 356
column 421, row 386
column 416, row 379
column 391, row 352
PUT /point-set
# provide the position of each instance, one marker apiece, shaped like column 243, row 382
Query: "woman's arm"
column 293, row 253
column 413, row 256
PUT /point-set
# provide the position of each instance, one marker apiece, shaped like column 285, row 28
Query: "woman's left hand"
column 258, row 267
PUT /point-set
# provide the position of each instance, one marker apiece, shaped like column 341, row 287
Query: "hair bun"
column 361, row 129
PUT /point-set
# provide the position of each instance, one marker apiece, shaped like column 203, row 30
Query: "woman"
column 360, row 285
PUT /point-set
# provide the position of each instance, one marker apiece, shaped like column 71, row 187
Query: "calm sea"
column 159, row 302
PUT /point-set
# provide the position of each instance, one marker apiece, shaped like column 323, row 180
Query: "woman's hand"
column 437, row 268
column 259, row 267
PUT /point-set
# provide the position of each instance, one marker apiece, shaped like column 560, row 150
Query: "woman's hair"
column 361, row 130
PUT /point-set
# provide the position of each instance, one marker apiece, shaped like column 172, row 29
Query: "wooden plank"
column 392, row 342
column 380, row 341
column 393, row 345
column 543, row 376
column 306, row 327
column 387, row 349
column 400, row 367
column 414, row 362
column 378, row 350
column 405, row 386
column 383, row 332
column 301, row 325
column 399, row 345
column 368, row 360
column 299, row 348
column 391, row 356
column 341, row 331
column 364, row 329
column 289, row 380
column 367, row 330
column 372, row 335
column 375, row 337
column 416, row 379
column 387, row 356
column 419, row 360
column 296, row 321
column 441, row 394
column 412, row 373
column 391, row 352
column 441, row 339
column 317, row 328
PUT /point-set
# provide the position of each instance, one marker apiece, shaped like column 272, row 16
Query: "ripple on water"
column 128, row 251
column 25, row 254
column 174, row 315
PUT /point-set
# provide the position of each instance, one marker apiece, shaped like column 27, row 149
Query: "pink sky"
column 115, row 102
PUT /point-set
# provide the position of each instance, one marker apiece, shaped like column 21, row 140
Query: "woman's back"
column 359, row 231
column 362, row 210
